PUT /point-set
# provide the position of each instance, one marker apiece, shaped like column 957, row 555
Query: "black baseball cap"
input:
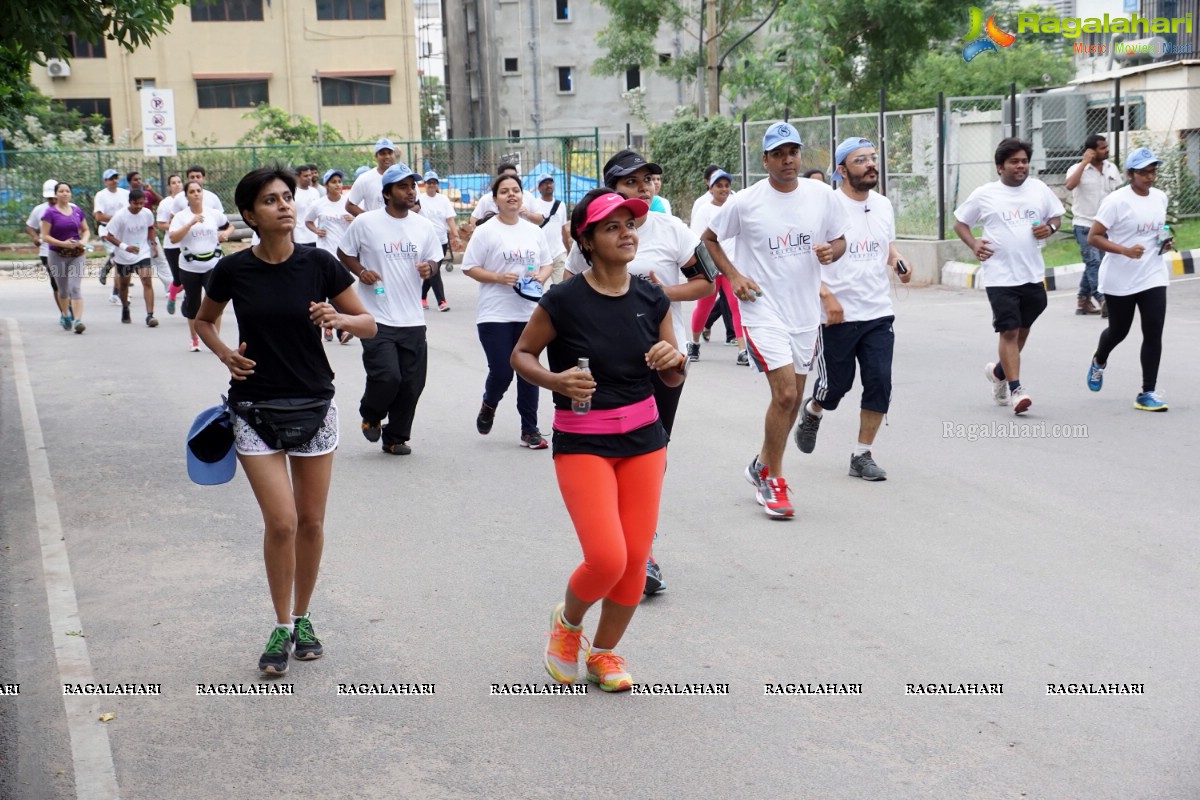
column 628, row 162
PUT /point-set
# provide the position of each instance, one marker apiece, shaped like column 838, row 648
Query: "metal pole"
column 881, row 151
column 1012, row 94
column 745, row 155
column 1119, row 114
column 162, row 177
column 320, row 126
column 940, row 122
column 832, row 134
column 628, row 135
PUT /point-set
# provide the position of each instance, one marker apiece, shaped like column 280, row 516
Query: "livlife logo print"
column 985, row 37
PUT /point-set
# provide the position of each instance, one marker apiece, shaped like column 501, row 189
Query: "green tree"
column 275, row 126
column 33, row 32
column 684, row 146
column 433, row 101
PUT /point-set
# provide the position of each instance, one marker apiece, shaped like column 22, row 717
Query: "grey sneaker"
column 999, row 387
column 806, row 431
column 756, row 474
column 743, row 358
column 864, row 467
column 693, row 351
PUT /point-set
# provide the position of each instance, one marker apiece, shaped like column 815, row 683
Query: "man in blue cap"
column 857, row 308
column 367, row 192
column 108, row 201
column 391, row 251
column 786, row 230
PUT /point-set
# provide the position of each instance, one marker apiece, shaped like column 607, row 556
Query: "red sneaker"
column 773, row 497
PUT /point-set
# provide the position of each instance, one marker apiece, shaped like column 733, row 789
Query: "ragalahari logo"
column 984, row 38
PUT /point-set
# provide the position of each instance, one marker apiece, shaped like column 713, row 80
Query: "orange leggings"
column 613, row 503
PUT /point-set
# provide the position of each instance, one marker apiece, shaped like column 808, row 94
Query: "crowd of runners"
column 805, row 273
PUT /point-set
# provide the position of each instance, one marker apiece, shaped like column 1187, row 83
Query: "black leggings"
column 193, row 282
column 721, row 309
column 1152, row 303
column 172, row 254
column 434, row 282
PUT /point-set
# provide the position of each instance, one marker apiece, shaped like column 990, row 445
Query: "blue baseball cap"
column 545, row 176
column 110, row 173
column 780, row 133
column 329, row 173
column 211, row 457
column 716, row 176
column 384, row 144
column 847, row 147
column 358, row 172
column 396, row 173
column 1142, row 157
column 431, row 176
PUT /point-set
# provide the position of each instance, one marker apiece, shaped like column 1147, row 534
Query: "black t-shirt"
column 614, row 334
column 271, row 305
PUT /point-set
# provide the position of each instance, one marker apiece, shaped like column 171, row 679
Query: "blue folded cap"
column 529, row 287
column 211, row 457
column 780, row 133
column 847, row 147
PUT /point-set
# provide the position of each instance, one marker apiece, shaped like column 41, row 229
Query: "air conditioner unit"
column 57, row 68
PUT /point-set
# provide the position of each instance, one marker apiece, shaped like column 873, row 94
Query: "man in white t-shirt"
column 33, row 227
column 108, row 201
column 857, row 309
column 366, row 194
column 487, row 204
column 391, row 251
column 1089, row 182
column 554, row 224
column 135, row 242
column 1018, row 214
column 786, row 230
column 438, row 209
column 305, row 196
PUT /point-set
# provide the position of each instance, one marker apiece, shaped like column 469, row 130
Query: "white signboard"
column 158, row 122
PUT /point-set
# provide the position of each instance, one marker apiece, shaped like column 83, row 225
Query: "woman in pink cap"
column 609, row 443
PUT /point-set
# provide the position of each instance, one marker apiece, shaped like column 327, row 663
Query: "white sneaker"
column 999, row 387
column 1021, row 401
column 114, row 300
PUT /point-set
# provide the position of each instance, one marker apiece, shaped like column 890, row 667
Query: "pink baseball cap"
column 606, row 204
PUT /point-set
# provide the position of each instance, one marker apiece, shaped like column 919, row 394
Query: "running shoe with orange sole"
column 607, row 670
column 562, row 651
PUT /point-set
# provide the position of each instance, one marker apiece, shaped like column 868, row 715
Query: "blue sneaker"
column 1150, row 401
column 1095, row 378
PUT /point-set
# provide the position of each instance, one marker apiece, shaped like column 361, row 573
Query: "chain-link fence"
column 466, row 167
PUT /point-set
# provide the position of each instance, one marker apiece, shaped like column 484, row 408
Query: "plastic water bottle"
column 581, row 406
column 379, row 291
column 1041, row 243
column 1165, row 235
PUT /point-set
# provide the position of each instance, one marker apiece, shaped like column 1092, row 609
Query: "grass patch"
column 1062, row 250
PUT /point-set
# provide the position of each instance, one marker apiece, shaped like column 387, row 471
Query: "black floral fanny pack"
column 287, row 423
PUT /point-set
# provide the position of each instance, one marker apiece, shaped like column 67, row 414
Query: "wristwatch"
column 1052, row 228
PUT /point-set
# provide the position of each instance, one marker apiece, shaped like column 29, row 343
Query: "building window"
column 77, row 48
column 93, row 107
column 514, row 135
column 227, row 10
column 144, row 83
column 510, row 66
column 664, row 59
column 633, row 78
column 565, row 86
column 350, row 9
column 366, row 90
column 562, row 10
column 231, row 93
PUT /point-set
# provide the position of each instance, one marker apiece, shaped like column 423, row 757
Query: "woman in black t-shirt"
column 609, row 459
column 283, row 296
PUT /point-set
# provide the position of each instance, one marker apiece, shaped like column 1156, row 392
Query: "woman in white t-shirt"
column 1130, row 229
column 199, row 232
column 499, row 254
column 328, row 219
column 720, row 185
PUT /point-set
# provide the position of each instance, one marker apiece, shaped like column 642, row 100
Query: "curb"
column 1183, row 263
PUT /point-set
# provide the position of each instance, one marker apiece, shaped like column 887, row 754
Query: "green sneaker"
column 306, row 645
column 274, row 660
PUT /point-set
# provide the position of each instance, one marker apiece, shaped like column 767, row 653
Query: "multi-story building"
column 520, row 68
column 350, row 63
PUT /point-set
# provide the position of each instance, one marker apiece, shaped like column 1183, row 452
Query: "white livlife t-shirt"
column 665, row 244
column 500, row 248
column 367, row 190
column 110, row 203
column 305, row 199
column 331, row 217
column 1008, row 214
column 776, row 232
column 166, row 210
column 552, row 230
column 131, row 229
column 437, row 210
column 1132, row 220
column 200, row 240
column 859, row 279
column 392, row 247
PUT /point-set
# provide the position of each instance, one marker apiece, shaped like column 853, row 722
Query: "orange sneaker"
column 562, row 651
column 607, row 670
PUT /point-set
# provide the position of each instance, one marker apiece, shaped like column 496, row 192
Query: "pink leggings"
column 613, row 503
column 704, row 306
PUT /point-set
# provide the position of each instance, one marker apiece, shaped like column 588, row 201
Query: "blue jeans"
column 1089, row 281
column 498, row 340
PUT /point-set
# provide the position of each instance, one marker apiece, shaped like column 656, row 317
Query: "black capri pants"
column 193, row 283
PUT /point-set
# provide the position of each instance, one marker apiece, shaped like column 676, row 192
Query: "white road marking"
column 95, row 776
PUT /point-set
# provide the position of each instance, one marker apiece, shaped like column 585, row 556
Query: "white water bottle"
column 581, row 406
column 379, row 290
column 1041, row 243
